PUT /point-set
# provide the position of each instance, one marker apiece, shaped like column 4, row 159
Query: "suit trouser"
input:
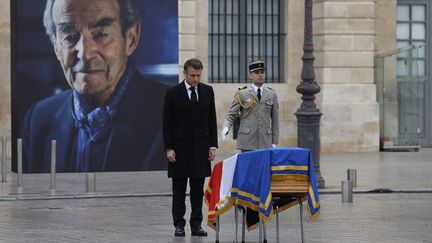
column 196, row 199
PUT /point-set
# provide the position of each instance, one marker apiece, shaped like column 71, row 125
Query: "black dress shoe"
column 198, row 232
column 179, row 231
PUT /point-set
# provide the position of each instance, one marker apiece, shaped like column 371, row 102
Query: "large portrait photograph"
column 91, row 75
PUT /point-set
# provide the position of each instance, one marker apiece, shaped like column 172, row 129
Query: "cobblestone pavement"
column 395, row 217
column 135, row 206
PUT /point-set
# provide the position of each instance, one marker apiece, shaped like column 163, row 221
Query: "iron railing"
column 241, row 31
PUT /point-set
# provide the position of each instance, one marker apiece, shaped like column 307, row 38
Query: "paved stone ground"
column 135, row 206
column 399, row 171
column 395, row 217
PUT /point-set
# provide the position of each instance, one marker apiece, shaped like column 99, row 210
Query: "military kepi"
column 256, row 65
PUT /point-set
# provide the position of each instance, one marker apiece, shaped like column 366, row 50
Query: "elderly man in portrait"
column 110, row 119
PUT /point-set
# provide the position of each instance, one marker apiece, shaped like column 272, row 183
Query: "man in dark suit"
column 190, row 137
column 103, row 122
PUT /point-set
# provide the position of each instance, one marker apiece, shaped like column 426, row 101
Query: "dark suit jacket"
column 189, row 129
column 134, row 141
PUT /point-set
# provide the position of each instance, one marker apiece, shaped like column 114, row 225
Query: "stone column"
column 344, row 34
column 193, row 33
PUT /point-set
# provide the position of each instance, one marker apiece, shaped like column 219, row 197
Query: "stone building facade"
column 348, row 34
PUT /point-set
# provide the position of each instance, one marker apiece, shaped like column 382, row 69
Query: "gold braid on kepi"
column 249, row 106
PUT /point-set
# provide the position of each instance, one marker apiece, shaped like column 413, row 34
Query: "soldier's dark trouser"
column 196, row 198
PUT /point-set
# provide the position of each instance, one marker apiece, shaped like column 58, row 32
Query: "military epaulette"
column 242, row 88
column 271, row 88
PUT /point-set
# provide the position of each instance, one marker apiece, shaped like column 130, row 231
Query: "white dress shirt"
column 190, row 91
column 255, row 88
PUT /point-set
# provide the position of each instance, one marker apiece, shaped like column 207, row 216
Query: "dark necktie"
column 193, row 95
column 259, row 94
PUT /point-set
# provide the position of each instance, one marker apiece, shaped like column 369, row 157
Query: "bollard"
column 347, row 191
column 91, row 182
column 53, row 165
column 352, row 176
column 4, row 159
column 19, row 162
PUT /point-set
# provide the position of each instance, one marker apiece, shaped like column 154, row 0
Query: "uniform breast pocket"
column 268, row 108
column 268, row 104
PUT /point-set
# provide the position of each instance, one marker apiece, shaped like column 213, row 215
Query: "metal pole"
column 277, row 224
column 243, row 225
column 53, row 165
column 347, row 192
column 4, row 161
column 301, row 219
column 217, row 229
column 19, row 151
column 308, row 115
column 260, row 237
column 352, row 176
column 264, row 230
column 91, row 182
column 236, row 221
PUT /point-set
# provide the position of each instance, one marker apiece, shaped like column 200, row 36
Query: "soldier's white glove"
column 225, row 131
column 273, row 145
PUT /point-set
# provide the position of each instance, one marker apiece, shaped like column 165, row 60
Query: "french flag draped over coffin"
column 297, row 164
column 251, row 182
column 217, row 194
column 245, row 178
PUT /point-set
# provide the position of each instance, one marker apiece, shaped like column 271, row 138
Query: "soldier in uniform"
column 257, row 107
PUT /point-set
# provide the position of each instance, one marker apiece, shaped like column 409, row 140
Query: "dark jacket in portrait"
column 134, row 141
column 190, row 129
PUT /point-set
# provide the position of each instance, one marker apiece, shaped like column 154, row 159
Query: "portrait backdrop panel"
column 125, row 133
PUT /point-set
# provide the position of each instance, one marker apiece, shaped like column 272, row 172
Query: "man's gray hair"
column 129, row 15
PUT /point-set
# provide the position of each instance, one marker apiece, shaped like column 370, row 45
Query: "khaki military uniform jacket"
column 259, row 121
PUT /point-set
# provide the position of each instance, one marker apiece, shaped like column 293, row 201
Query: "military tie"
column 259, row 94
column 193, row 95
